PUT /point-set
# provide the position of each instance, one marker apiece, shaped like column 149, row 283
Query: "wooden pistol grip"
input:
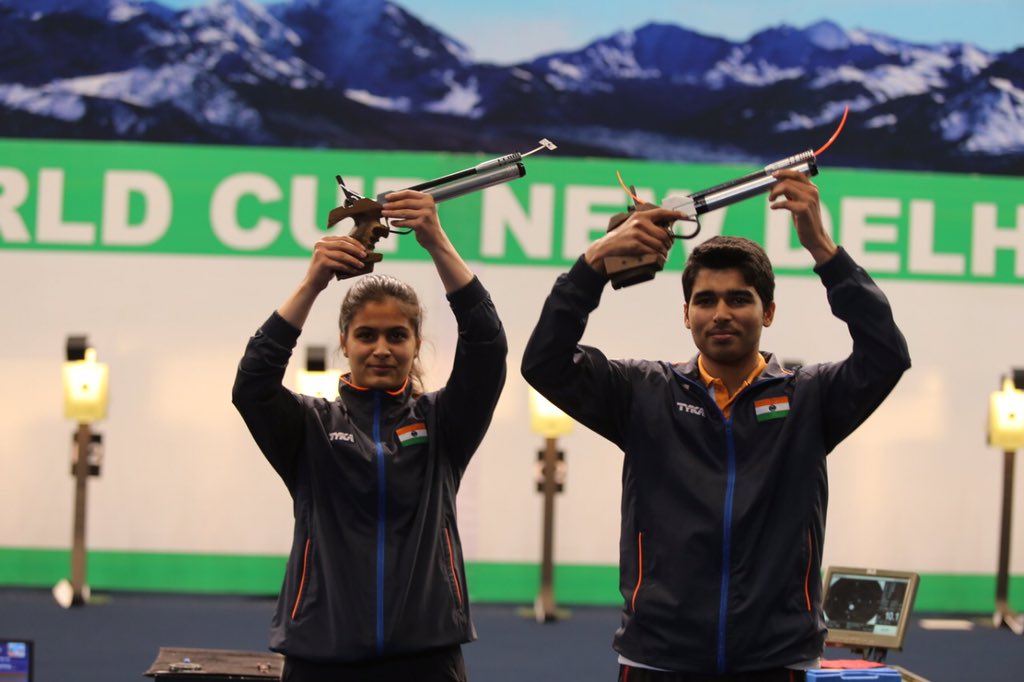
column 368, row 230
column 625, row 271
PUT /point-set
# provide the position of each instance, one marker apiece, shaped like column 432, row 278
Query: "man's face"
column 725, row 316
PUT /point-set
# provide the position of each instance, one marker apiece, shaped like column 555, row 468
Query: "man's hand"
column 802, row 201
column 639, row 235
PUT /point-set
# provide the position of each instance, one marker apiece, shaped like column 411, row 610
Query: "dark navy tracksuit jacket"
column 723, row 519
column 376, row 565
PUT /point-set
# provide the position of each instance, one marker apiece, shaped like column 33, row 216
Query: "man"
column 724, row 479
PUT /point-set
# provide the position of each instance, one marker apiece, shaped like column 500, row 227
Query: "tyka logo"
column 691, row 409
column 341, row 436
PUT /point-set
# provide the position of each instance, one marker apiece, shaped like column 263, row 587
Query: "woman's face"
column 381, row 345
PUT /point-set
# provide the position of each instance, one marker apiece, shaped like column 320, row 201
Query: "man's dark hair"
column 725, row 253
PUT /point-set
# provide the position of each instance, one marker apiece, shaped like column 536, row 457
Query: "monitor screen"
column 868, row 608
column 15, row 660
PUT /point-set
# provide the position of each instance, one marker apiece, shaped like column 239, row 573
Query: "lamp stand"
column 544, row 607
column 1004, row 615
column 77, row 592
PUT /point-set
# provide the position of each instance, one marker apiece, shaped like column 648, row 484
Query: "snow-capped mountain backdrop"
column 368, row 74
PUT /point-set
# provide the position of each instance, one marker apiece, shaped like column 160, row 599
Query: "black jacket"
column 722, row 519
column 376, row 564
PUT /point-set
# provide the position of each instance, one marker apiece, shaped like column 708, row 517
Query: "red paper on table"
column 851, row 664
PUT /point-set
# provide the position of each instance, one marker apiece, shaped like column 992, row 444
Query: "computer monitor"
column 15, row 659
column 868, row 608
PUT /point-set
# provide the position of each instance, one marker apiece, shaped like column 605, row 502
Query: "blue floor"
column 117, row 636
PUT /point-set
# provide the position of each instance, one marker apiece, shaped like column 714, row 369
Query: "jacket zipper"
column 381, row 518
column 451, row 563
column 302, row 579
column 730, row 490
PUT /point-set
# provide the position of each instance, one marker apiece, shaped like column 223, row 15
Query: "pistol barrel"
column 466, row 182
column 752, row 184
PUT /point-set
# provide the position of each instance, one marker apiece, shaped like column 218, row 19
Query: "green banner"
column 246, row 201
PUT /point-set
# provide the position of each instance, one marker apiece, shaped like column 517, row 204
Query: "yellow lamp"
column 550, row 422
column 316, row 380
column 546, row 419
column 85, row 388
column 85, row 401
column 1006, row 432
column 1006, row 417
column 319, row 384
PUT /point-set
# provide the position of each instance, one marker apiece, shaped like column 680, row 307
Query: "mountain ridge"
column 370, row 74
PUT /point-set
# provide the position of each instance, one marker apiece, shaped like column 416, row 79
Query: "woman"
column 375, row 587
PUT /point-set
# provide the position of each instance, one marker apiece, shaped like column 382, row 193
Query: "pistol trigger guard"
column 684, row 204
column 696, row 230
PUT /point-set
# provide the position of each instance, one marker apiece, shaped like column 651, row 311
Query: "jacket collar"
column 348, row 389
column 772, row 370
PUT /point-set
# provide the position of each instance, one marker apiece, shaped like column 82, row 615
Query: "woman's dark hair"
column 726, row 253
column 375, row 288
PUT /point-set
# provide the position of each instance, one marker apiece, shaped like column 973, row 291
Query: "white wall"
column 915, row 488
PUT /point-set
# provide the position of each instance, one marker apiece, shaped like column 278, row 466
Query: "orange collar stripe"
column 397, row 391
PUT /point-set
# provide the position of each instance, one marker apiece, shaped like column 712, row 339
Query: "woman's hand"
column 418, row 212
column 333, row 254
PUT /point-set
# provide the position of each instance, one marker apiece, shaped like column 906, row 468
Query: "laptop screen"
column 868, row 608
column 15, row 660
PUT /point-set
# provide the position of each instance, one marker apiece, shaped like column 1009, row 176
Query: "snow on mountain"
column 112, row 10
column 986, row 119
column 828, row 36
column 243, row 42
column 45, row 101
column 651, row 52
column 460, row 100
column 377, row 47
column 179, row 86
column 239, row 22
column 740, row 69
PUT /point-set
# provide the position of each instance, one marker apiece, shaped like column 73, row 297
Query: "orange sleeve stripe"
column 807, row 576
column 451, row 562
column 302, row 582
column 640, row 571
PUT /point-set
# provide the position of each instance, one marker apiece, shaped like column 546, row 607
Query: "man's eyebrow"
column 727, row 292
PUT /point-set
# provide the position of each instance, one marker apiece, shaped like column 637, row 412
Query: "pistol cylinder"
column 506, row 160
column 753, row 184
column 482, row 167
column 462, row 183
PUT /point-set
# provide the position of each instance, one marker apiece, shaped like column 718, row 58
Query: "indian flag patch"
column 412, row 434
column 771, row 408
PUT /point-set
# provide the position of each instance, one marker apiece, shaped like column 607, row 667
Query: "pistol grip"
column 625, row 271
column 367, row 230
column 371, row 258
